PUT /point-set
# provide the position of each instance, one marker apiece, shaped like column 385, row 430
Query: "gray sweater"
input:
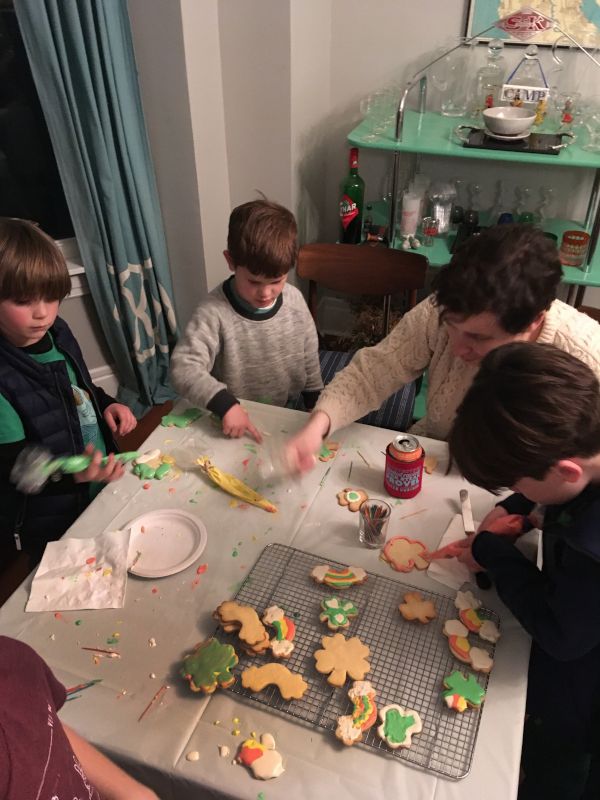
column 229, row 353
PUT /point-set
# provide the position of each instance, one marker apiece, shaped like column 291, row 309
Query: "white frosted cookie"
column 465, row 600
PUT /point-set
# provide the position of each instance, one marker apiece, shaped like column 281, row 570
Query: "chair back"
column 361, row 270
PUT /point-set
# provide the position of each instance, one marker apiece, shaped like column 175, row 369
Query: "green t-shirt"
column 11, row 427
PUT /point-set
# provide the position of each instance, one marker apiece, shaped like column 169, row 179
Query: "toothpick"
column 324, row 476
column 156, row 697
column 81, row 686
column 412, row 513
column 350, row 472
column 107, row 653
column 363, row 458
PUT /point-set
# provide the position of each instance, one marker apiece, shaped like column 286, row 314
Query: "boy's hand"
column 236, row 422
column 111, row 471
column 300, row 450
column 119, row 419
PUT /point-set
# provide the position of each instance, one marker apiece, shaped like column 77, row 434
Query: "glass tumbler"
column 373, row 518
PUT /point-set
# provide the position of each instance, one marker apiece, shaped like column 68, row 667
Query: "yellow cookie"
column 341, row 657
column 290, row 684
column 415, row 607
column 234, row 616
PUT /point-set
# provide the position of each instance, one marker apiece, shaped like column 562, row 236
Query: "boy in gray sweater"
column 253, row 336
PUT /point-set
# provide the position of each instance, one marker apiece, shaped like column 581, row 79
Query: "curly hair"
column 529, row 406
column 512, row 271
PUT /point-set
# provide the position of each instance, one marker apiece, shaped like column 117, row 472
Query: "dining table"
column 141, row 711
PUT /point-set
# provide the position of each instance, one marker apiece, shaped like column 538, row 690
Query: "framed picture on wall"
column 579, row 18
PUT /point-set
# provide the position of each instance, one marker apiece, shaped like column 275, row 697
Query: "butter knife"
column 467, row 514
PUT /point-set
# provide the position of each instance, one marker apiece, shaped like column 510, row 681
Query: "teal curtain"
column 82, row 60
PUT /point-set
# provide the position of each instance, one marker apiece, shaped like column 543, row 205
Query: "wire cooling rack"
column 408, row 659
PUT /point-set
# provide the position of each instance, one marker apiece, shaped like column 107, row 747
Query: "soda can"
column 404, row 459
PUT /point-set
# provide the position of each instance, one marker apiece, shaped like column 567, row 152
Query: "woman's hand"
column 300, row 450
column 119, row 418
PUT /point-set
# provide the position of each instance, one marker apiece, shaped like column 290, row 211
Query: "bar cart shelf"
column 430, row 133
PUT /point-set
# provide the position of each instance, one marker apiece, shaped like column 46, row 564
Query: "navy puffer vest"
column 41, row 394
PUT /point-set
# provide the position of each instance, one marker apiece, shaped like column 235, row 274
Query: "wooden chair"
column 357, row 270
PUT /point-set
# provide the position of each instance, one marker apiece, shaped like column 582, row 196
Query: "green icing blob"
column 396, row 725
column 181, row 420
column 465, row 687
column 324, row 452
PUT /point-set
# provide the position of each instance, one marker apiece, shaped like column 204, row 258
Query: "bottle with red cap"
column 352, row 197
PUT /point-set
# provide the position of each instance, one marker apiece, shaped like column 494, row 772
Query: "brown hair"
column 512, row 271
column 263, row 237
column 32, row 267
column 529, row 406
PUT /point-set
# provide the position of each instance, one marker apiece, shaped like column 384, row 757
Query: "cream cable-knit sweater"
column 419, row 342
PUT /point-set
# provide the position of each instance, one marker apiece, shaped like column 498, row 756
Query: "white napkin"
column 81, row 573
column 449, row 570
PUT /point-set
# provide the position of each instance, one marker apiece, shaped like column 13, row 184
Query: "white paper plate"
column 164, row 542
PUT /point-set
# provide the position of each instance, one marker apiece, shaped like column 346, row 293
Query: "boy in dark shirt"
column 531, row 422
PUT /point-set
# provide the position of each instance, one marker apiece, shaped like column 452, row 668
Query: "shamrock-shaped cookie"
column 353, row 498
column 341, row 657
column 209, row 666
column 462, row 692
column 416, row 607
column 337, row 613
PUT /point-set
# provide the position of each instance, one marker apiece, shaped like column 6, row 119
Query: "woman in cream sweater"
column 499, row 287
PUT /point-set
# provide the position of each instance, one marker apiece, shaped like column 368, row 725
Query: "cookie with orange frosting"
column 404, row 554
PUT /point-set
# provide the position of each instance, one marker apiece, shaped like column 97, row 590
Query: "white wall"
column 242, row 96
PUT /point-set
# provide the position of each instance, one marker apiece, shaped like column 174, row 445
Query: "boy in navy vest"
column 531, row 422
column 47, row 397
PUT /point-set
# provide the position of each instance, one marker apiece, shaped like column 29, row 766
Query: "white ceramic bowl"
column 508, row 120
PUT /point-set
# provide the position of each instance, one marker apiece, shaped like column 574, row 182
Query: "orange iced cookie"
column 404, row 554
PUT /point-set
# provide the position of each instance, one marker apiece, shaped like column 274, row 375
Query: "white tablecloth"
column 174, row 613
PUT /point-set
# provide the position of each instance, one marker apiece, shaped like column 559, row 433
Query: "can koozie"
column 404, row 459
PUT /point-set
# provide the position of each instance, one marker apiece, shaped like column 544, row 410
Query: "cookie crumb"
column 224, row 750
column 193, row 755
